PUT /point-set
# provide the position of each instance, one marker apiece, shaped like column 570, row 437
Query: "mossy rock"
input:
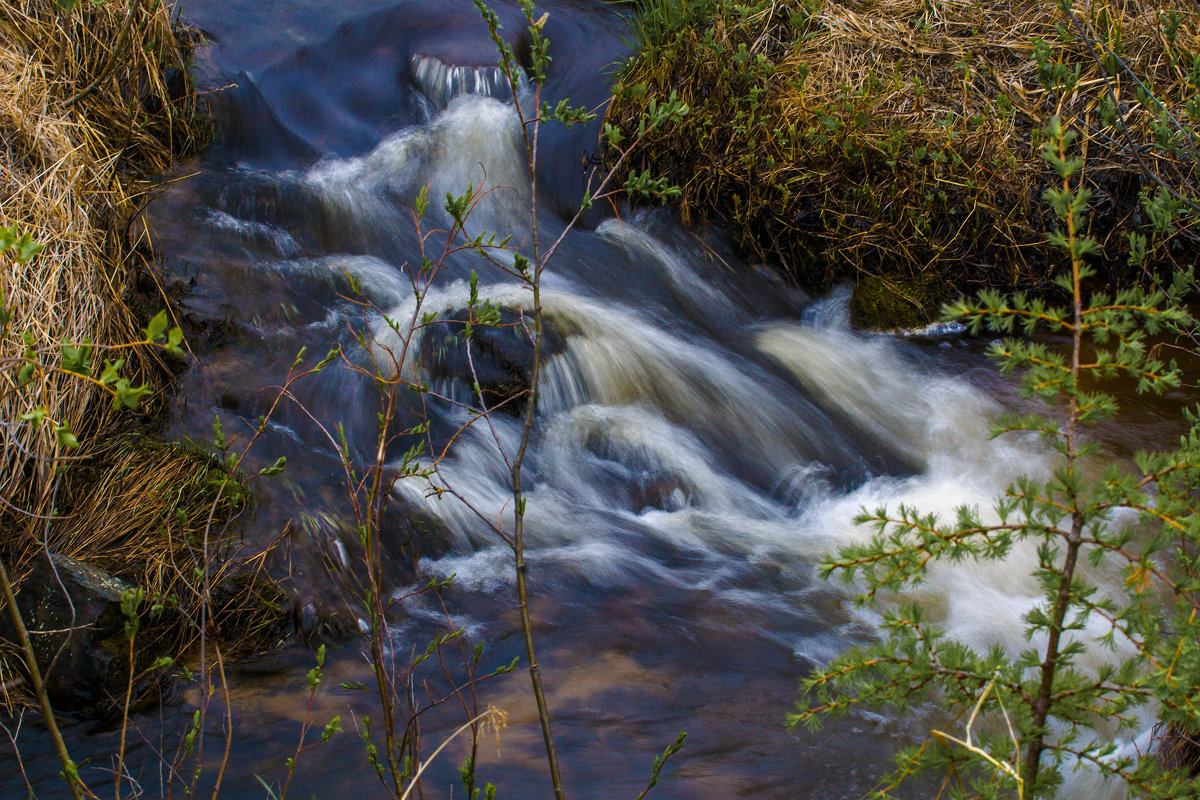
column 74, row 612
column 897, row 303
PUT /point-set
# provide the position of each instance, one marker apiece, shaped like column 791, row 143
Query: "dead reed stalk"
column 74, row 175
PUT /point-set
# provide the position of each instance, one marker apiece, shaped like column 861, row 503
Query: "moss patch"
column 899, row 304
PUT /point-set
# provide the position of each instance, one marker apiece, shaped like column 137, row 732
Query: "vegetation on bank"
column 96, row 100
column 898, row 139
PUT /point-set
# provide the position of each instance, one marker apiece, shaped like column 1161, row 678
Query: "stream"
column 704, row 436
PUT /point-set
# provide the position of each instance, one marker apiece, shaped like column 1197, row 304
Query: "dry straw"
column 92, row 102
column 896, row 138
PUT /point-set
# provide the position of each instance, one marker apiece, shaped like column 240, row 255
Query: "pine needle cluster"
column 1086, row 520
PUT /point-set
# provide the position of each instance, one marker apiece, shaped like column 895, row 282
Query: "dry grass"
column 159, row 514
column 1177, row 748
column 163, row 493
column 72, row 164
column 92, row 104
column 897, row 138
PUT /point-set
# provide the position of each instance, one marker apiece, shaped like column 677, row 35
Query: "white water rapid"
column 704, row 435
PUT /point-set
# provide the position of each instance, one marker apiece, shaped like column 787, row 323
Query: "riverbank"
column 95, row 102
column 895, row 143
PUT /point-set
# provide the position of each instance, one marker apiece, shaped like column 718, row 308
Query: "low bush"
column 900, row 139
column 1113, row 639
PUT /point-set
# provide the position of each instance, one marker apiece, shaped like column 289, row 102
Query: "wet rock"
column 328, row 620
column 73, row 614
column 502, row 357
column 663, row 492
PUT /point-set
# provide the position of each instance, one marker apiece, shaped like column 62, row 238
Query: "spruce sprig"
column 1143, row 523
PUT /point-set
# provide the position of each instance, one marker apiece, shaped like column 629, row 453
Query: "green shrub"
column 899, row 140
column 1079, row 520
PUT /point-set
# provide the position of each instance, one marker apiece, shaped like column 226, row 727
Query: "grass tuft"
column 74, row 176
column 899, row 138
column 94, row 104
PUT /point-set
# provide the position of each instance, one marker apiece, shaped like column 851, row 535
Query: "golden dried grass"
column 86, row 114
column 48, row 185
column 93, row 105
column 897, row 137
column 151, row 499
column 1177, row 748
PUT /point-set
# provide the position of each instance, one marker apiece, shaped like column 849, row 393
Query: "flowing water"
column 705, row 434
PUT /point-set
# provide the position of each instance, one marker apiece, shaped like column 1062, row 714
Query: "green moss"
column 898, row 303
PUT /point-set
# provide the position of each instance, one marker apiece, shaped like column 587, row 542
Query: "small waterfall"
column 474, row 142
column 867, row 379
column 439, row 83
column 363, row 204
column 692, row 443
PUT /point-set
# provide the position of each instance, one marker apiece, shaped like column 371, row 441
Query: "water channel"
column 705, row 434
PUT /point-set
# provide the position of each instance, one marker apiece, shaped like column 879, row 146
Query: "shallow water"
column 704, row 436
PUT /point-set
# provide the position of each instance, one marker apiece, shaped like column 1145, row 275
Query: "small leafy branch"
column 527, row 268
column 332, row 728
column 1079, row 522
column 85, row 361
column 26, row 376
column 393, row 368
column 369, row 484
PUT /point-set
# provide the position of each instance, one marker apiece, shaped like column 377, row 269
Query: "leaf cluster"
column 84, row 360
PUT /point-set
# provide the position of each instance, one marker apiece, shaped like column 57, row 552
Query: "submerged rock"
column 73, row 614
column 501, row 357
